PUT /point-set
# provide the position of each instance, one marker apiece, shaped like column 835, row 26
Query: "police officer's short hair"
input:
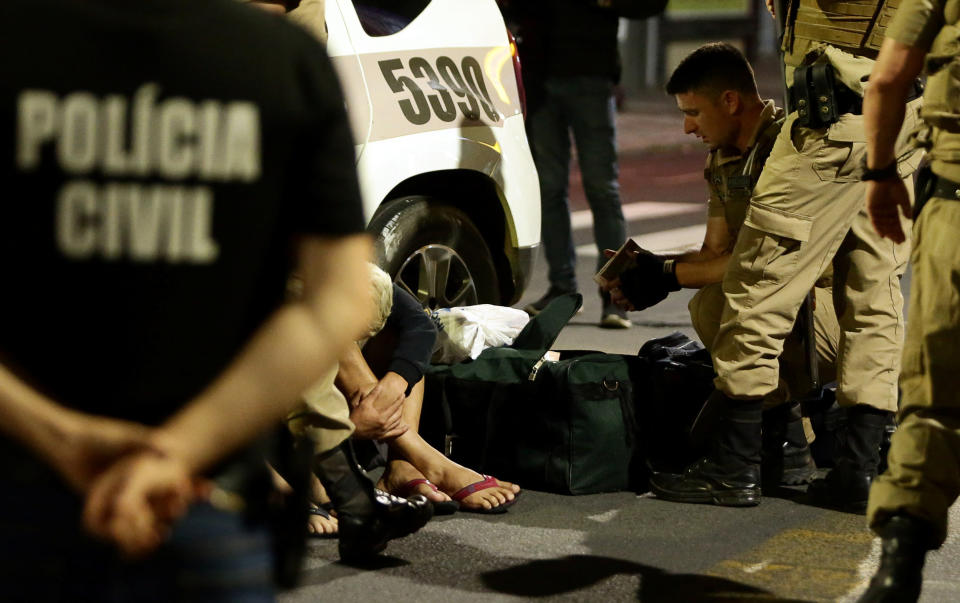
column 711, row 69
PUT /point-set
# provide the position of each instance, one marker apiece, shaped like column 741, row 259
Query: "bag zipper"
column 536, row 368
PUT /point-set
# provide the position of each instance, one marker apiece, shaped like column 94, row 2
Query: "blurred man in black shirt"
column 161, row 180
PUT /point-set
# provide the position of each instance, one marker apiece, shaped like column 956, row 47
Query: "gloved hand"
column 649, row 280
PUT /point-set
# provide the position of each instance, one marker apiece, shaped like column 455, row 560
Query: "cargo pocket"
column 778, row 237
column 839, row 157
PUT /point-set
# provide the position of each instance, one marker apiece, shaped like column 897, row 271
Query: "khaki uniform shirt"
column 916, row 24
column 731, row 174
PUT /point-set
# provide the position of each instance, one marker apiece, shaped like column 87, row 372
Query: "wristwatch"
column 885, row 173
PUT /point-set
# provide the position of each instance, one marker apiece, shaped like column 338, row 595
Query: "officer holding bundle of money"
column 806, row 212
column 716, row 92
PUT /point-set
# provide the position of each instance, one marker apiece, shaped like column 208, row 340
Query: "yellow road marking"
column 811, row 563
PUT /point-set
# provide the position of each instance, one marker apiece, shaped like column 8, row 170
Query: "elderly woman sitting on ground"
column 381, row 383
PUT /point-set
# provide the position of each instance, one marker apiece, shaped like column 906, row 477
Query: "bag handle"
column 544, row 328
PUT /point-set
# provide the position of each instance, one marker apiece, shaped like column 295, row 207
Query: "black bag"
column 672, row 378
column 565, row 426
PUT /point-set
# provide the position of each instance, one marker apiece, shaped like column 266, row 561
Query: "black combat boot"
column 786, row 455
column 899, row 578
column 847, row 485
column 730, row 474
column 368, row 518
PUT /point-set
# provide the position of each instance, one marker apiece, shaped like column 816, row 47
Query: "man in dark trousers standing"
column 571, row 65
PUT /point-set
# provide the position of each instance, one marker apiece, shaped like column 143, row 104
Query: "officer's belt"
column 945, row 189
column 929, row 185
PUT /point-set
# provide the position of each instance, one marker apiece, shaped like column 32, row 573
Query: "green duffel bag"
column 562, row 426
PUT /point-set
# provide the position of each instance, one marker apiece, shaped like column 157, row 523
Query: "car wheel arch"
column 479, row 198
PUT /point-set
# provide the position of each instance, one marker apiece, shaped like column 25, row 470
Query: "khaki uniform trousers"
column 807, row 210
column 323, row 415
column 923, row 476
column 706, row 308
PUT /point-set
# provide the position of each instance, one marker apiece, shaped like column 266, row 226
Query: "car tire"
column 434, row 251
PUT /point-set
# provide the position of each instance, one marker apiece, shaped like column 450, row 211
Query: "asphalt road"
column 627, row 546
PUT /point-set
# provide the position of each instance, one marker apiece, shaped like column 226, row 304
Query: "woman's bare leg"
column 411, row 457
column 448, row 476
column 400, row 471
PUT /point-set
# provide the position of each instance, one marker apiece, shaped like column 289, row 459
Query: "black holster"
column 818, row 98
column 923, row 184
column 928, row 185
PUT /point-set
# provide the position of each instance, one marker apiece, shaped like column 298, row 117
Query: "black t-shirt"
column 157, row 159
column 572, row 37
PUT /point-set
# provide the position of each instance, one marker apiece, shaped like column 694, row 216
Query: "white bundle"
column 466, row 331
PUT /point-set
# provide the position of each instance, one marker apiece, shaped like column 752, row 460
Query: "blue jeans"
column 210, row 556
column 585, row 106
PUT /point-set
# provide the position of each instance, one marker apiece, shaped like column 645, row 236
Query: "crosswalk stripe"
column 674, row 240
column 643, row 209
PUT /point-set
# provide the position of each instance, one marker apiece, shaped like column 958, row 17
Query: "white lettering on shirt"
column 142, row 223
column 170, row 140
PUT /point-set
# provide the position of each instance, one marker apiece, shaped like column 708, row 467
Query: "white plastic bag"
column 467, row 330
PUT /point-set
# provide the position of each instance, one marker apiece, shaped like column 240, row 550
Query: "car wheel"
column 434, row 251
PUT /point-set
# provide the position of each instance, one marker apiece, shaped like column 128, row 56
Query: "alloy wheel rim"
column 438, row 277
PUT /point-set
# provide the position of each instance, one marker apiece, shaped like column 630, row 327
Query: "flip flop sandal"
column 443, row 507
column 321, row 511
column 488, row 482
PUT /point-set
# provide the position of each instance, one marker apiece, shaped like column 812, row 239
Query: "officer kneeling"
column 716, row 91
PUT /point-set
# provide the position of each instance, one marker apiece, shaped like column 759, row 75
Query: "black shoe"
column 847, row 485
column 788, row 466
column 368, row 517
column 899, row 578
column 393, row 517
column 786, row 455
column 845, row 488
column 798, row 467
column 730, row 474
column 554, row 292
column 705, row 482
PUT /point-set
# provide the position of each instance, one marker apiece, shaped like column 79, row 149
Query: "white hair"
column 381, row 289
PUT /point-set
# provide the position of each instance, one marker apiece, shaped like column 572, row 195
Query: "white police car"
column 436, row 105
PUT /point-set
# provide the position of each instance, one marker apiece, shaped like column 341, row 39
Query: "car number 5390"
column 458, row 90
